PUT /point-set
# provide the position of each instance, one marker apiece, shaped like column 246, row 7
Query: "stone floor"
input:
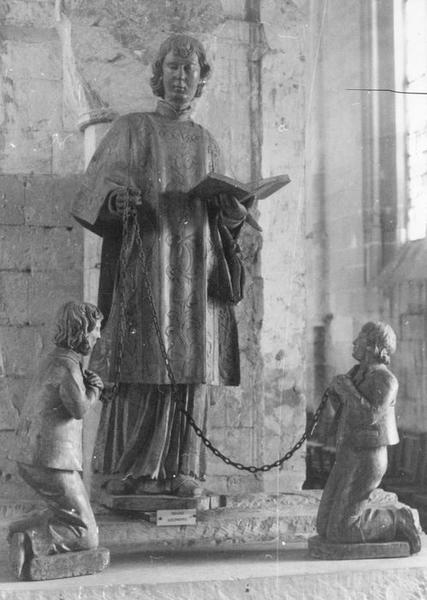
column 253, row 572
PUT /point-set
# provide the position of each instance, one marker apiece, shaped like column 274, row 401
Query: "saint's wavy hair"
column 183, row 46
column 74, row 321
column 381, row 337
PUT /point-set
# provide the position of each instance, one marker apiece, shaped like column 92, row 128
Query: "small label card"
column 185, row 516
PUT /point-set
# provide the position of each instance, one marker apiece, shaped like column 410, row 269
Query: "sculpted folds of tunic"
column 163, row 154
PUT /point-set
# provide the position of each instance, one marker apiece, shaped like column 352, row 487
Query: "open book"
column 214, row 184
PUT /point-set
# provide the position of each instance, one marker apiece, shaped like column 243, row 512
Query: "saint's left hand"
column 233, row 212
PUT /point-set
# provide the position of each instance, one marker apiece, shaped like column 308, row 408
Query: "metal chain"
column 130, row 219
column 121, row 280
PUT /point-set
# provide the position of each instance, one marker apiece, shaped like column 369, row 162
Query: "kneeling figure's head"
column 376, row 341
column 78, row 326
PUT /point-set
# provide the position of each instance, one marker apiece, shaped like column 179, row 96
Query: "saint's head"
column 376, row 342
column 180, row 70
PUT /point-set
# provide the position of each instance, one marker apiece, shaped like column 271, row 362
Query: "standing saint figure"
column 151, row 161
column 365, row 400
column 48, row 445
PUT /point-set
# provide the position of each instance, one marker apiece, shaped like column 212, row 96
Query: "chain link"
column 130, row 221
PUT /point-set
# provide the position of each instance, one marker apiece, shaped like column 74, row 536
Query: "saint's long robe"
column 163, row 155
column 164, row 158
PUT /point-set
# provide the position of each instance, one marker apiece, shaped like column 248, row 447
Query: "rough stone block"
column 8, row 413
column 15, row 248
column 48, row 290
column 69, row 564
column 217, row 409
column 9, row 477
column 14, row 298
column 239, row 444
column 238, row 408
column 217, row 469
column 36, row 13
column 109, row 67
column 21, row 348
column 68, row 153
column 48, row 200
column 40, row 105
column 288, row 477
column 17, row 390
column 283, row 23
column 27, row 150
column 11, row 199
column 319, row 548
column 236, row 9
column 56, row 249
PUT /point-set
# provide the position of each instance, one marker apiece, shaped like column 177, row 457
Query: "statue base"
column 320, row 548
column 69, row 564
column 142, row 503
column 59, row 566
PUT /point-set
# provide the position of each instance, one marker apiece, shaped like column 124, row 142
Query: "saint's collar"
column 166, row 109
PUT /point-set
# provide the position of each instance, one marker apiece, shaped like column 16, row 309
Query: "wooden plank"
column 155, row 502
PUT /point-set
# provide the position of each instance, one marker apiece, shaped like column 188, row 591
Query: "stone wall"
column 60, row 66
column 283, row 256
column 335, row 187
column 352, row 177
column 40, row 247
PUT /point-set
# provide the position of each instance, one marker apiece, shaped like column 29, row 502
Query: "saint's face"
column 94, row 335
column 360, row 346
column 181, row 77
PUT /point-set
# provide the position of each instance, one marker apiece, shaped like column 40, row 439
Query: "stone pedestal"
column 256, row 547
column 234, row 574
column 280, row 519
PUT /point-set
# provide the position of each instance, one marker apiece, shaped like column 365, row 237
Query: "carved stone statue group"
column 155, row 281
